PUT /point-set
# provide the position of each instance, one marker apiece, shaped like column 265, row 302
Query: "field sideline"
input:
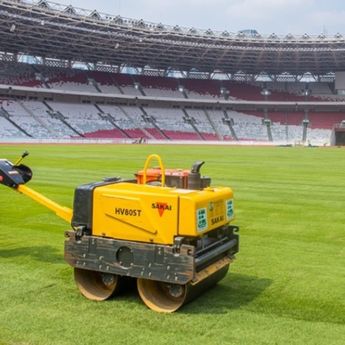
column 287, row 285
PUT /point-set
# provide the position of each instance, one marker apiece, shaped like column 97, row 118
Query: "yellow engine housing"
column 155, row 214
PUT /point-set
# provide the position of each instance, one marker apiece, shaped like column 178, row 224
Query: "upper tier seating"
column 114, row 83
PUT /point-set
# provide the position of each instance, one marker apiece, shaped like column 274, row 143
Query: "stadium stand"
column 36, row 118
column 186, row 100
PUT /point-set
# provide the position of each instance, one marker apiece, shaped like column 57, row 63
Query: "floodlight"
column 266, row 92
column 306, row 92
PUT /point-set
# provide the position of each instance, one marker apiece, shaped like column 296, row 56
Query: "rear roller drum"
column 167, row 298
column 96, row 286
column 162, row 297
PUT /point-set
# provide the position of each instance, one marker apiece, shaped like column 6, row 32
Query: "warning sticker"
column 229, row 206
column 201, row 219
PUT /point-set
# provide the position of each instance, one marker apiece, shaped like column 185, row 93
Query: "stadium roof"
column 50, row 30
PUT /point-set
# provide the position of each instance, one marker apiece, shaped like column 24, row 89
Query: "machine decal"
column 201, row 219
column 216, row 220
column 229, row 204
column 127, row 212
column 161, row 207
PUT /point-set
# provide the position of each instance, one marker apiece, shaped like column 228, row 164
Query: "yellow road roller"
column 166, row 228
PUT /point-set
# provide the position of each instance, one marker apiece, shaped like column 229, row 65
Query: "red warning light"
column 1, row 178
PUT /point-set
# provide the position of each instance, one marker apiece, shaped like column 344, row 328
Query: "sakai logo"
column 161, row 207
column 216, row 220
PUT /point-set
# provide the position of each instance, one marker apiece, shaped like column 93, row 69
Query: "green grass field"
column 287, row 285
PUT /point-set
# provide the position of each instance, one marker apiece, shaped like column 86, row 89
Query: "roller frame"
column 176, row 264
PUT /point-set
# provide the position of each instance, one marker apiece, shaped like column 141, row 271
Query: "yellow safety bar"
column 148, row 160
column 63, row 212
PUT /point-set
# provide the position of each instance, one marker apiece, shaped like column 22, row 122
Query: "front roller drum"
column 166, row 297
column 96, row 286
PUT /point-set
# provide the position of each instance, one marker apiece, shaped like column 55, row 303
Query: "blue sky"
column 266, row 16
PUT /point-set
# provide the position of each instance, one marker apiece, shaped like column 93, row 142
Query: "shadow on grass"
column 39, row 253
column 234, row 291
column 238, row 290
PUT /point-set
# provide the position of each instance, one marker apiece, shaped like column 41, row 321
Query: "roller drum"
column 97, row 286
column 167, row 298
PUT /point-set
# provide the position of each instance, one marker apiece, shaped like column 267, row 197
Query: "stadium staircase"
column 145, row 133
column 138, row 86
column 108, row 117
column 36, row 118
column 120, row 89
column 214, row 127
column 183, row 91
column 267, row 122
column 229, row 122
column 305, row 124
column 95, row 84
column 59, row 116
column 191, row 121
column 151, row 120
column 117, row 86
column 6, row 115
column 107, row 80
column 119, row 82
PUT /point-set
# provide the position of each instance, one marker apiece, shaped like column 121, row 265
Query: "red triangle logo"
column 161, row 207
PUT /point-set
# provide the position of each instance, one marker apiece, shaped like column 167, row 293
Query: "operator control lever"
column 25, row 154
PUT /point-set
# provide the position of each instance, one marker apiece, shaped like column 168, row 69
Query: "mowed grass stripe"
column 286, row 287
